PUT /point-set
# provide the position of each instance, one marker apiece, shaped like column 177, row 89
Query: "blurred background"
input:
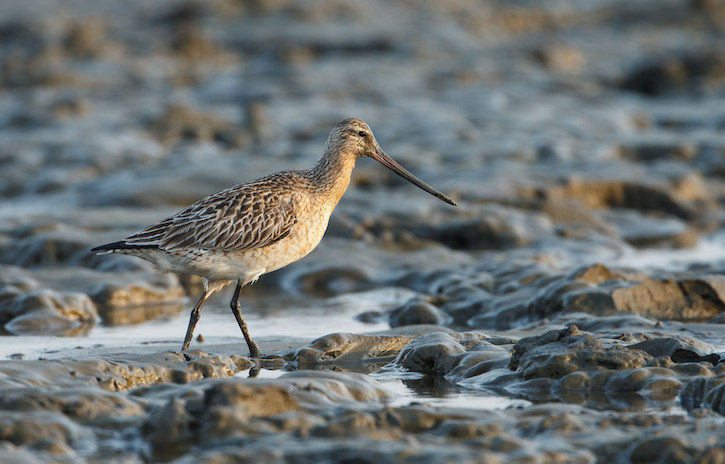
column 572, row 132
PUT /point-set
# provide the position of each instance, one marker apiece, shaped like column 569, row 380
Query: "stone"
column 560, row 352
column 343, row 348
column 417, row 312
column 43, row 311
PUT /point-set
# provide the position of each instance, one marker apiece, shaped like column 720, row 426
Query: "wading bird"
column 238, row 234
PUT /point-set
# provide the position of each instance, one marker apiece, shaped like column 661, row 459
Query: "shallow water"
column 709, row 249
column 273, row 317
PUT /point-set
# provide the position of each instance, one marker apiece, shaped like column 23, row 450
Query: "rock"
column 119, row 373
column 599, row 274
column 590, row 323
column 225, row 408
column 561, row 58
column 46, row 431
column 83, row 404
column 705, row 392
column 417, row 312
column 645, row 231
column 677, row 350
column 88, row 38
column 660, row 384
column 332, row 280
column 573, row 213
column 229, row 407
column 183, row 122
column 494, row 228
column 626, row 194
column 192, row 43
column 654, row 76
column 666, row 449
column 42, row 311
column 341, row 348
column 560, row 352
column 680, row 299
column 11, row 454
column 658, row 150
column 313, row 389
column 170, row 428
column 49, row 245
column 437, row 353
column 119, row 298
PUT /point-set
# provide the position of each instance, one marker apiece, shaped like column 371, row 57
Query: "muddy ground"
column 571, row 309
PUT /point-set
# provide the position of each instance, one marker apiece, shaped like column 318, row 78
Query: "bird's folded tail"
column 119, row 246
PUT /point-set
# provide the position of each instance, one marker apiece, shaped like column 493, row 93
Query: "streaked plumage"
column 240, row 233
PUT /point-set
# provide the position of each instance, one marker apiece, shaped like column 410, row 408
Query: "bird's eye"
column 362, row 134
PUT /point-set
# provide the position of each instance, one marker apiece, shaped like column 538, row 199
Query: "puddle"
column 412, row 387
column 268, row 317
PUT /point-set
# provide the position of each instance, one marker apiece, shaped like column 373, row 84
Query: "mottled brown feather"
column 241, row 218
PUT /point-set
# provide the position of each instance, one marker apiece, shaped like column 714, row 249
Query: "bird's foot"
column 254, row 351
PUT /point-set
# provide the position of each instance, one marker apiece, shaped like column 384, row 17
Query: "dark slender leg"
column 194, row 318
column 253, row 350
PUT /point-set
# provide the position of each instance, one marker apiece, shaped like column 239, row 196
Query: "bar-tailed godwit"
column 238, row 234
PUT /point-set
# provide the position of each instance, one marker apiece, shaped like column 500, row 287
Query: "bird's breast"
column 303, row 238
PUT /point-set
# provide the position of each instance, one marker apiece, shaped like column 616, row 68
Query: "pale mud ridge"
column 581, row 282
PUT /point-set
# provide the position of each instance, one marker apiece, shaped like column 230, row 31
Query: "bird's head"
column 353, row 137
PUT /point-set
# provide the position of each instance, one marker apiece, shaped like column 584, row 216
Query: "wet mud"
column 571, row 309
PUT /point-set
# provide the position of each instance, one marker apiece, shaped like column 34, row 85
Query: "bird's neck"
column 331, row 175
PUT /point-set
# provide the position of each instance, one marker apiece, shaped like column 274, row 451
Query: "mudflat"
column 571, row 309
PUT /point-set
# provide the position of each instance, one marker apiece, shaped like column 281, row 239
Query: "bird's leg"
column 253, row 350
column 195, row 318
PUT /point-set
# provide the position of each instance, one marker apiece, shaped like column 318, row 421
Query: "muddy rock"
column 633, row 195
column 180, row 121
column 438, row 353
column 644, row 231
column 14, row 455
column 606, row 324
column 599, row 274
column 346, row 348
column 494, row 228
column 86, row 405
column 332, row 280
column 705, row 392
column 119, row 298
column 676, row 350
column 561, row 352
column 44, row 311
column 417, row 312
column 48, row 245
column 220, row 409
column 120, row 373
column 682, row 299
column 129, row 299
column 46, row 431
column 656, row 382
column 673, row 73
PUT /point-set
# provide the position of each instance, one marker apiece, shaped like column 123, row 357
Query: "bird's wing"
column 238, row 219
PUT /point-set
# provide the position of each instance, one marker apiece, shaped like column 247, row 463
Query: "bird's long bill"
column 391, row 164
